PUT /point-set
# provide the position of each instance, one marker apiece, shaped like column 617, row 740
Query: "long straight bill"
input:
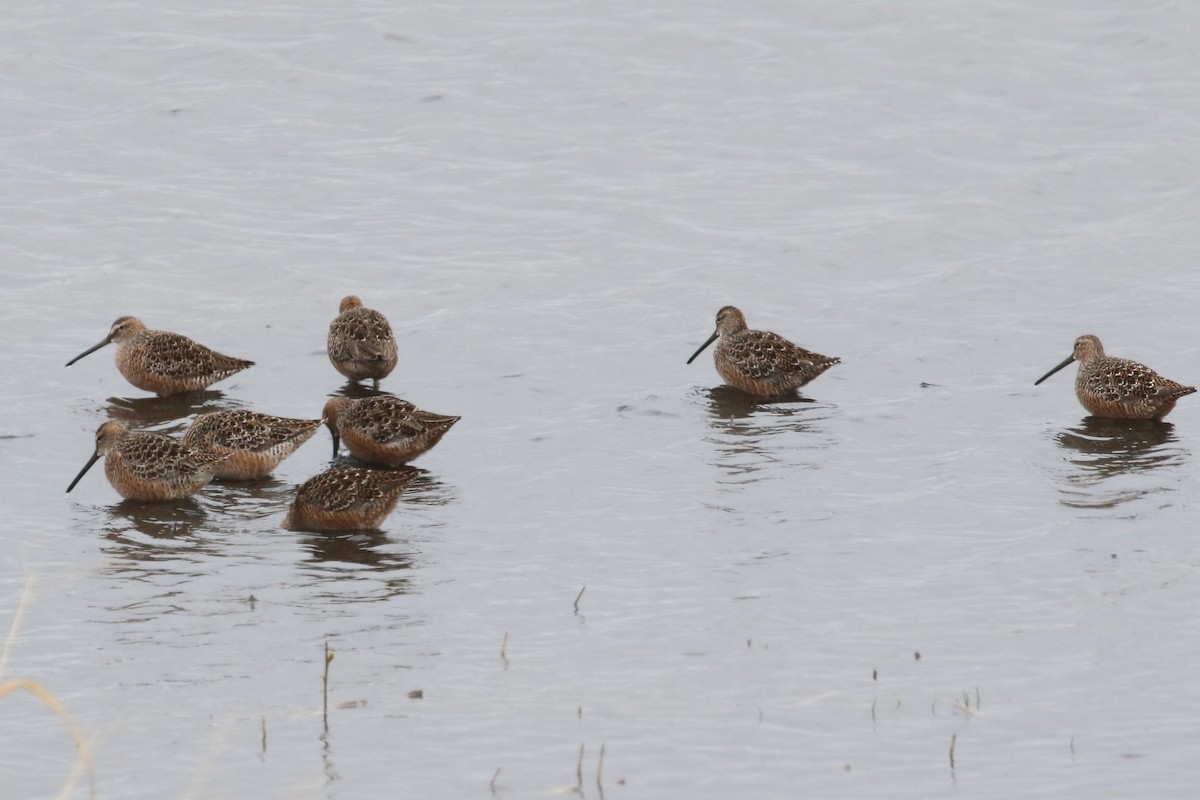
column 95, row 457
column 88, row 352
column 711, row 339
column 1056, row 369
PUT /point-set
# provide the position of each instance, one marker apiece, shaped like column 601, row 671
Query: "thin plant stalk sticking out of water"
column 325, row 687
column 965, row 705
column 581, row 591
column 578, row 787
column 600, row 772
column 579, row 771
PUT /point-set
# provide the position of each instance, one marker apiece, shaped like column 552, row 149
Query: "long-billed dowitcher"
column 361, row 344
column 385, row 429
column 162, row 362
column 760, row 362
column 150, row 466
column 256, row 443
column 1118, row 388
column 346, row 499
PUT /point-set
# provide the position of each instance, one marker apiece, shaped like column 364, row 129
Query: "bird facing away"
column 256, row 443
column 760, row 362
column 162, row 362
column 384, row 429
column 1118, row 388
column 361, row 344
column 150, row 466
column 346, row 499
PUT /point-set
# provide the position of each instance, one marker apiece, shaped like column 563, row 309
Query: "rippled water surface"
column 922, row 577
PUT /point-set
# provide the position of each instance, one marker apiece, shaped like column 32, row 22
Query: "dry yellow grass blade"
column 84, row 765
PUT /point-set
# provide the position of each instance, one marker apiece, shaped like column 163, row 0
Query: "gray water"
column 550, row 201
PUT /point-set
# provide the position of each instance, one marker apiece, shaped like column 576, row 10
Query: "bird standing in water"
column 162, row 362
column 361, row 344
column 1118, row 388
column 256, row 443
column 346, row 499
column 385, row 429
column 760, row 362
column 142, row 465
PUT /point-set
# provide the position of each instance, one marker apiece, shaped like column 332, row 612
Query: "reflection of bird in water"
column 356, row 547
column 760, row 363
column 1118, row 388
column 730, row 403
column 145, row 412
column 751, row 439
column 1109, row 447
column 378, row 571
column 150, row 466
column 155, row 521
column 347, row 499
column 256, row 443
column 162, row 362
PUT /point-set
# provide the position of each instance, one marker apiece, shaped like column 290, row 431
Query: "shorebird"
column 384, row 429
column 346, row 499
column 150, row 466
column 162, row 362
column 255, row 443
column 760, row 362
column 361, row 344
column 1118, row 388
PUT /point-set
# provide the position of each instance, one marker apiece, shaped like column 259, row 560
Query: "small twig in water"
column 504, row 649
column 953, row 741
column 264, row 732
column 600, row 770
column 581, row 591
column 492, row 783
column 325, row 686
column 579, row 770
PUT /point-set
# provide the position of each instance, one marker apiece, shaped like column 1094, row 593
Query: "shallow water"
column 550, row 201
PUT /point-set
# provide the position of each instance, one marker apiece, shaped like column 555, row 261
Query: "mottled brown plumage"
column 361, row 344
column 162, row 362
column 1118, row 388
column 384, row 430
column 346, row 499
column 256, row 443
column 760, row 362
column 150, row 466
